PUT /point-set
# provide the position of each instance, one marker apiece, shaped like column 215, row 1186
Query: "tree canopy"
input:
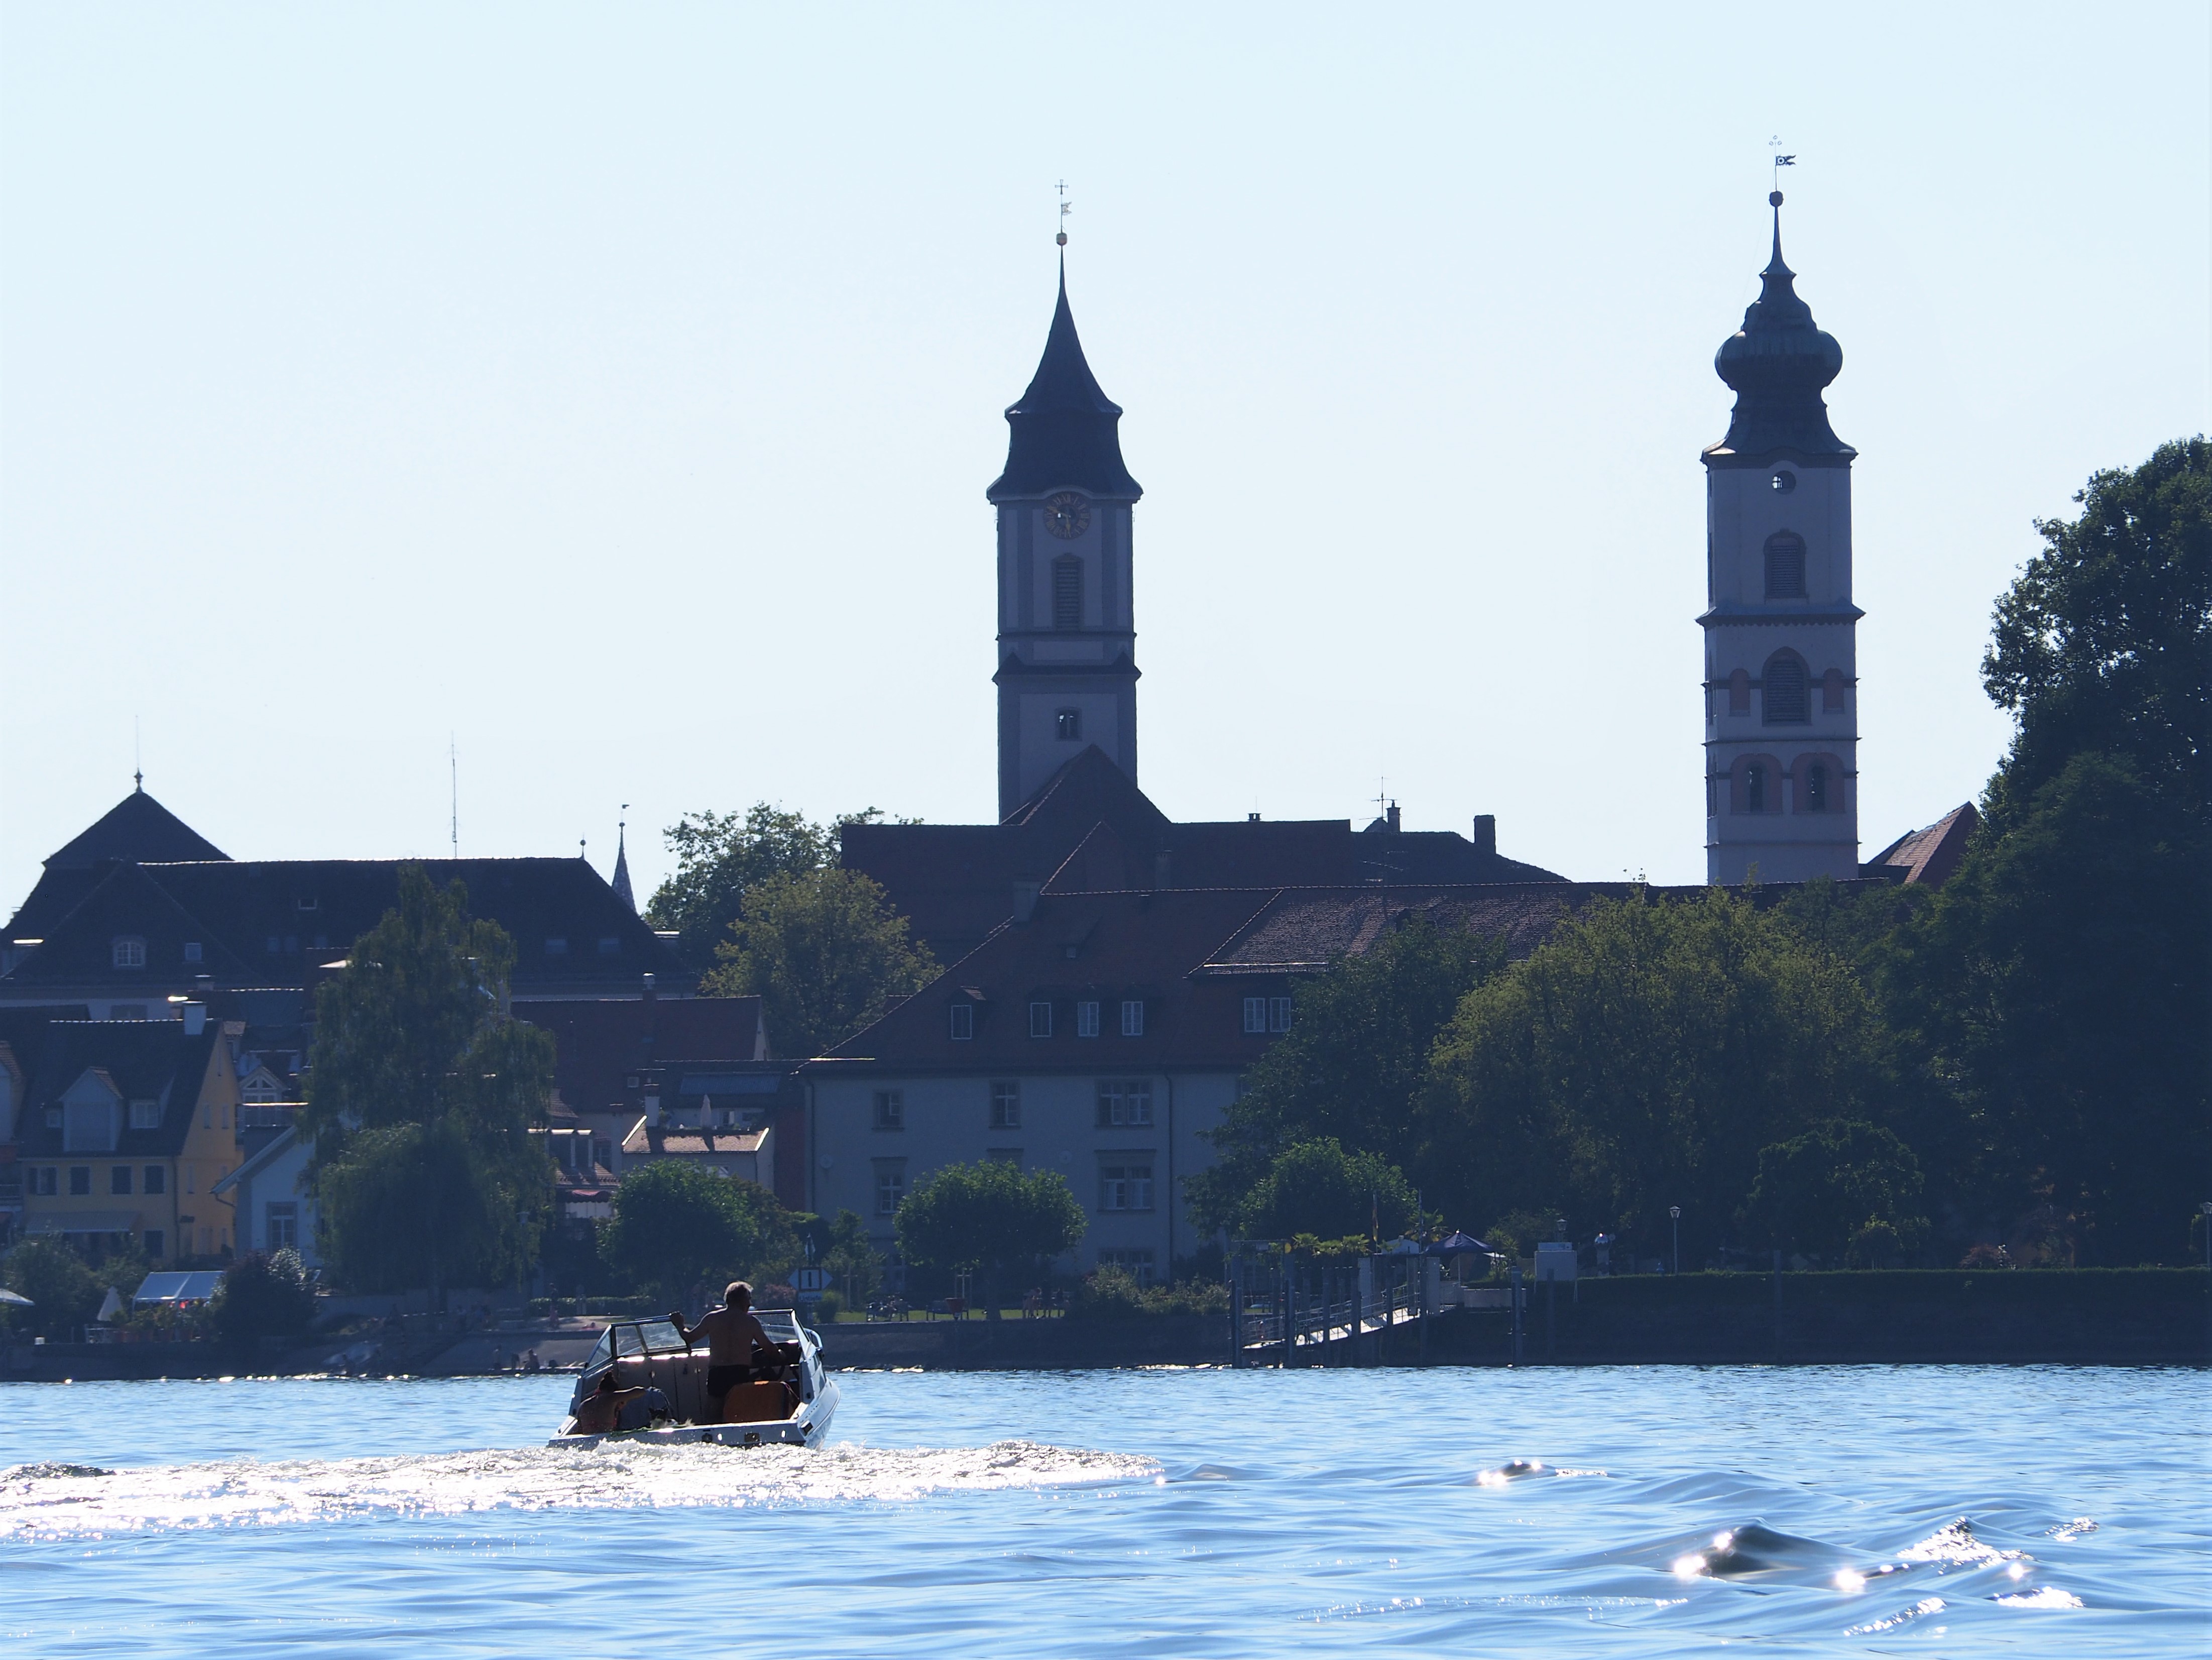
column 1316, row 1188
column 422, row 1094
column 991, row 1217
column 721, row 857
column 678, row 1224
column 1843, row 1192
column 825, row 952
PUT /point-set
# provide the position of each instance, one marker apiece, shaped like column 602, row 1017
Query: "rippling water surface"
column 1663, row 1510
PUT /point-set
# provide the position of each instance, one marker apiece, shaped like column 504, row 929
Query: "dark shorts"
column 720, row 1380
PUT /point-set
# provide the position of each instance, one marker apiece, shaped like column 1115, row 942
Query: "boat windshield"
column 781, row 1324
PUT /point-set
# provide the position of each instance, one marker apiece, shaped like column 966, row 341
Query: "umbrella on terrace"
column 1459, row 1244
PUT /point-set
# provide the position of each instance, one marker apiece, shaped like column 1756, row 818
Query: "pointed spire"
column 620, row 883
column 1065, row 429
column 1778, row 362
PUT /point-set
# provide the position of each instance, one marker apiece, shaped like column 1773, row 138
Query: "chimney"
column 1485, row 834
column 1025, row 900
column 652, row 1104
column 649, row 993
column 1393, row 818
column 195, row 1018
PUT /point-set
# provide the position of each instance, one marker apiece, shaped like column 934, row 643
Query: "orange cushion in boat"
column 755, row 1403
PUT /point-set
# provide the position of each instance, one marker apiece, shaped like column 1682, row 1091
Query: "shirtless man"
column 733, row 1335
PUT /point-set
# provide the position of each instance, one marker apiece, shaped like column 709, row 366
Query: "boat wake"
column 72, row 1501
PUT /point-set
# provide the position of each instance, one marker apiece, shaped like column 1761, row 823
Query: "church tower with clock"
column 1781, row 682
column 1067, row 671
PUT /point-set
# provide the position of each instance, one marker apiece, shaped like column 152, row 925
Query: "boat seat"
column 755, row 1402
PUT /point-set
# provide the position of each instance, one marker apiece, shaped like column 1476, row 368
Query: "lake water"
column 1169, row 1512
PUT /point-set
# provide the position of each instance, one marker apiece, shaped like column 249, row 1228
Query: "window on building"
column 556, row 945
column 1040, row 1019
column 1067, row 592
column 192, row 951
column 157, row 1178
column 88, row 1127
column 156, row 1242
column 1067, row 724
column 284, row 1223
column 1006, row 1105
column 274, row 945
column 1816, row 788
column 1132, row 1016
column 80, row 1180
column 1754, row 787
column 609, row 946
column 1255, row 1014
column 890, row 1188
column 129, row 952
column 1086, row 1019
column 1278, row 1014
column 1139, row 1265
column 45, row 1183
column 1783, row 482
column 1784, row 682
column 1785, row 566
column 891, row 1109
column 118, row 1178
column 145, row 1115
column 53, row 1118
column 961, row 1021
column 1124, row 1102
column 1124, row 1186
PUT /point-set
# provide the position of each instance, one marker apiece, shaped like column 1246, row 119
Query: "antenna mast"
column 453, row 769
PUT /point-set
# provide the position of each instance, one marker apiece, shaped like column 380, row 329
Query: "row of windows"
column 1123, row 1187
column 961, row 1019
column 1785, row 686
column 1756, row 785
column 1123, row 1103
column 44, row 1181
column 556, row 946
column 1266, row 1014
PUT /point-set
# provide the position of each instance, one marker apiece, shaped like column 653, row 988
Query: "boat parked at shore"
column 661, row 1383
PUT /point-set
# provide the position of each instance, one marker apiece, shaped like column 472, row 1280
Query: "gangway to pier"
column 1286, row 1313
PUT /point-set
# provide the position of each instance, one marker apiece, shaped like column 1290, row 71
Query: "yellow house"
column 125, row 1129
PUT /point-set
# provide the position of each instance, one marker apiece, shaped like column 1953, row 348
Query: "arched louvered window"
column 1067, row 592
column 1784, row 682
column 1816, row 788
column 1785, row 566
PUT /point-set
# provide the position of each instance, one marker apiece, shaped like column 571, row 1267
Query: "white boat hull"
column 806, row 1428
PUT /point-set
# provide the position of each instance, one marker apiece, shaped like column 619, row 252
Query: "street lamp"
column 2207, row 1208
column 1675, row 1211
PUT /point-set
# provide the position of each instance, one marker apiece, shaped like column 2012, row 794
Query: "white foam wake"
column 53, row 1502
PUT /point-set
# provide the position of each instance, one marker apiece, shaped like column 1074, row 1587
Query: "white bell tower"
column 1067, row 638
column 1781, row 796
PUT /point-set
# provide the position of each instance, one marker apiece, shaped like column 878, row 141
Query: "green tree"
column 64, row 1291
column 2057, row 987
column 721, row 857
column 677, row 1226
column 1316, row 1188
column 262, row 1296
column 421, row 1098
column 825, row 952
column 990, row 1217
column 1354, row 1063
column 1833, row 1190
column 2104, row 644
column 1639, row 1059
column 852, row 1258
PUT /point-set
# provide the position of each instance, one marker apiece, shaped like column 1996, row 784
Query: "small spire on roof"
column 621, row 879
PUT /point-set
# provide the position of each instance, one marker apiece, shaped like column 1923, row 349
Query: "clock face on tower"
column 1067, row 515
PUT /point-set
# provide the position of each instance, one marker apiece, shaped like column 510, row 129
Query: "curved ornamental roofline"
column 1778, row 362
column 1065, row 431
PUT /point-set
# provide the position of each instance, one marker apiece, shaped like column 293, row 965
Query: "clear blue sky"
column 615, row 389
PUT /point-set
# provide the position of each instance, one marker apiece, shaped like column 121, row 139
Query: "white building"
column 1781, row 683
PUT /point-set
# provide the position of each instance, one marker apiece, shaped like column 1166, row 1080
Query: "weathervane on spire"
column 1067, row 207
column 1774, row 196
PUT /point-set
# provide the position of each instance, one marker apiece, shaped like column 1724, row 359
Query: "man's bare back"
column 732, row 1334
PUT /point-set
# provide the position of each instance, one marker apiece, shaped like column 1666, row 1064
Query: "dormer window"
column 145, row 1115
column 556, row 945
column 961, row 1022
column 192, row 951
column 609, row 946
column 307, row 902
column 1068, row 726
column 129, row 952
column 1040, row 1019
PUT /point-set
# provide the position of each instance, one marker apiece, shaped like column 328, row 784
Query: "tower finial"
column 1067, row 207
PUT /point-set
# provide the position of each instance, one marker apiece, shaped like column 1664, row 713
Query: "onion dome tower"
column 1781, row 683
column 1067, row 672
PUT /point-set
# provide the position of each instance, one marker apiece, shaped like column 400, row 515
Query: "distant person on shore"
column 733, row 1337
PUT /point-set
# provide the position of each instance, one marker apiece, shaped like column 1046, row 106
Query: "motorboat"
column 787, row 1405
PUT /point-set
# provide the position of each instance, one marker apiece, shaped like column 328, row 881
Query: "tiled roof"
column 1064, row 431
column 1928, row 856
column 694, row 1143
column 138, row 828
column 602, row 1042
column 146, row 1060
